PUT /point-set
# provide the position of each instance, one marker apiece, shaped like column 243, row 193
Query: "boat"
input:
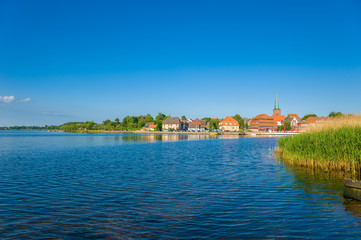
column 352, row 189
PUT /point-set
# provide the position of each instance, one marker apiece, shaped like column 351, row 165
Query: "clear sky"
column 94, row 60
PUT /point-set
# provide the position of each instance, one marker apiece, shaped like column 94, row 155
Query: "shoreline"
column 155, row 132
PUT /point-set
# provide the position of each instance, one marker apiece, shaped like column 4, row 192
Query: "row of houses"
column 263, row 122
column 176, row 124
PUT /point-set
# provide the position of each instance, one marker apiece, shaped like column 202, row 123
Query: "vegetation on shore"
column 46, row 127
column 129, row 123
column 333, row 145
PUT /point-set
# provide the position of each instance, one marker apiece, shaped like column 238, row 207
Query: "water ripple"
column 91, row 187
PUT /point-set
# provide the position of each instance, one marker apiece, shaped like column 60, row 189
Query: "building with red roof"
column 229, row 124
column 263, row 122
column 294, row 120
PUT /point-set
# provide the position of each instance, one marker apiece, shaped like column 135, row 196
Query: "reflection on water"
column 163, row 137
column 320, row 183
column 169, row 137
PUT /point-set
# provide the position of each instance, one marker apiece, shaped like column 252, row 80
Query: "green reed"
column 328, row 149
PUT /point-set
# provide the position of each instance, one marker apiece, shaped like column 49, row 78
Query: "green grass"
column 329, row 149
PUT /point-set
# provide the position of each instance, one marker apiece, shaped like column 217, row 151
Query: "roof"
column 148, row 124
column 261, row 116
column 194, row 125
column 263, row 121
column 294, row 115
column 279, row 118
column 203, row 122
column 314, row 119
column 229, row 121
column 172, row 120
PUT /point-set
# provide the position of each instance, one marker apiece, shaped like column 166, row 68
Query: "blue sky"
column 90, row 60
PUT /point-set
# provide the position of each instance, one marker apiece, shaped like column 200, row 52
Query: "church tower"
column 276, row 110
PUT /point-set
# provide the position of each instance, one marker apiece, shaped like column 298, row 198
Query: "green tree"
column 282, row 127
column 159, row 118
column 117, row 121
column 184, row 117
column 149, row 118
column 213, row 124
column 159, row 121
column 335, row 114
column 240, row 120
column 89, row 125
column 107, row 122
column 309, row 115
column 208, row 119
column 141, row 123
column 125, row 123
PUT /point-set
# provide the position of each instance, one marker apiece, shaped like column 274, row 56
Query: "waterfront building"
column 194, row 126
column 184, row 124
column 150, row 126
column 294, row 120
column 229, row 124
column 204, row 124
column 172, row 123
column 263, row 122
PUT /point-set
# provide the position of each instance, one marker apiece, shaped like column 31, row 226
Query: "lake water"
column 73, row 186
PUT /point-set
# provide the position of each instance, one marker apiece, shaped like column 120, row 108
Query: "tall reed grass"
column 334, row 145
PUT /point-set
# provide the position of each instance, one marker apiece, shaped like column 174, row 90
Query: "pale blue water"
column 73, row 186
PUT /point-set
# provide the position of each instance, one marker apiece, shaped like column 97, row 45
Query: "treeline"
column 46, row 127
column 129, row 123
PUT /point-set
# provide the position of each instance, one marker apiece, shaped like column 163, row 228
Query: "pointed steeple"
column 277, row 106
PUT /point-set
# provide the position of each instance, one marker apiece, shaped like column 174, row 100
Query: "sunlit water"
column 73, row 186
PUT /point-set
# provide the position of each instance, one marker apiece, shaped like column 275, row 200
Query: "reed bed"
column 334, row 145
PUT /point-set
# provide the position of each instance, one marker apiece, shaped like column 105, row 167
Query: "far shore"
column 155, row 132
column 241, row 133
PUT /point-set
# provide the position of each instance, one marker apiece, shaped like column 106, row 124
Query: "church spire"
column 277, row 106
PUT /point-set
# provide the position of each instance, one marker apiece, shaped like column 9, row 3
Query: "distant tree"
column 335, row 114
column 208, row 119
column 88, row 125
column 117, row 121
column 107, row 122
column 149, row 118
column 159, row 121
column 132, row 126
column 125, row 123
column 213, row 124
column 282, row 127
column 309, row 115
column 184, row 117
column 141, row 123
column 240, row 120
column 133, row 119
column 159, row 118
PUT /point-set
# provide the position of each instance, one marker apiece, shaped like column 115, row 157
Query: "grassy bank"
column 334, row 145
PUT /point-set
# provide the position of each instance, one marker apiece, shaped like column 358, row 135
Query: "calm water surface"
column 72, row 186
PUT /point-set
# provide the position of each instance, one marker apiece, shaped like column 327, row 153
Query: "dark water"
column 69, row 186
